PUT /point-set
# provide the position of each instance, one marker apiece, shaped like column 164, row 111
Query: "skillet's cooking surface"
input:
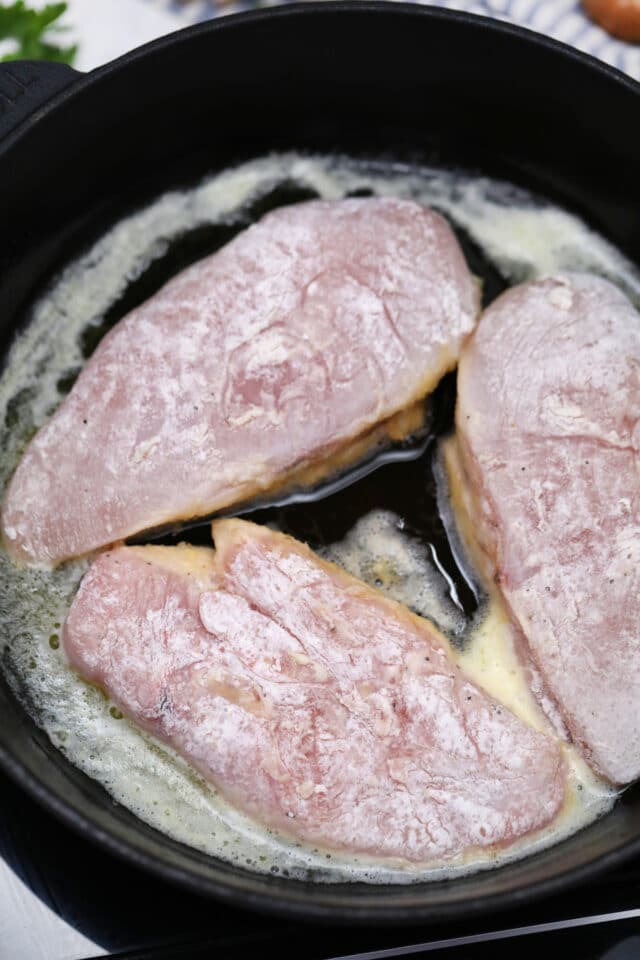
column 384, row 525
column 414, row 115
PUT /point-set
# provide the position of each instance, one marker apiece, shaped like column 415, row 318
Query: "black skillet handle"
column 26, row 85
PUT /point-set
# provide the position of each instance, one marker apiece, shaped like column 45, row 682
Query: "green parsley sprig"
column 33, row 32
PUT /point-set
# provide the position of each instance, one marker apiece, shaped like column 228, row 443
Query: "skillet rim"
column 82, row 80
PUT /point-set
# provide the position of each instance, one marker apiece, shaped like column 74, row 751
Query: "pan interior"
column 389, row 507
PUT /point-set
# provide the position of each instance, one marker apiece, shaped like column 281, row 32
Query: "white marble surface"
column 29, row 930
column 105, row 29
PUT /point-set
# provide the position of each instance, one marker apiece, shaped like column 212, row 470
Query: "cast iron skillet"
column 363, row 78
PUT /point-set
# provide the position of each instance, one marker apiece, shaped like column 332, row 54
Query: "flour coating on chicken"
column 315, row 704
column 548, row 430
column 278, row 353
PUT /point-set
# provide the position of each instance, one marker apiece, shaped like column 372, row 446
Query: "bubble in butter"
column 522, row 237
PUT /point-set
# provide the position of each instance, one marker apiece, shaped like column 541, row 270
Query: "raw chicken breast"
column 548, row 436
column 315, row 704
column 274, row 361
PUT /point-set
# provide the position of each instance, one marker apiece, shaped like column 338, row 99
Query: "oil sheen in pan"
column 382, row 524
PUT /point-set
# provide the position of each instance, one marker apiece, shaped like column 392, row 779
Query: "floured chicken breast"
column 315, row 704
column 289, row 353
column 548, row 436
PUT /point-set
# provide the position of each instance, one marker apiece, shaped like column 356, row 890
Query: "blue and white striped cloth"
column 564, row 20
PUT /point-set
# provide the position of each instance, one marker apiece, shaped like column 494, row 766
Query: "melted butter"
column 522, row 236
column 491, row 661
column 377, row 551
